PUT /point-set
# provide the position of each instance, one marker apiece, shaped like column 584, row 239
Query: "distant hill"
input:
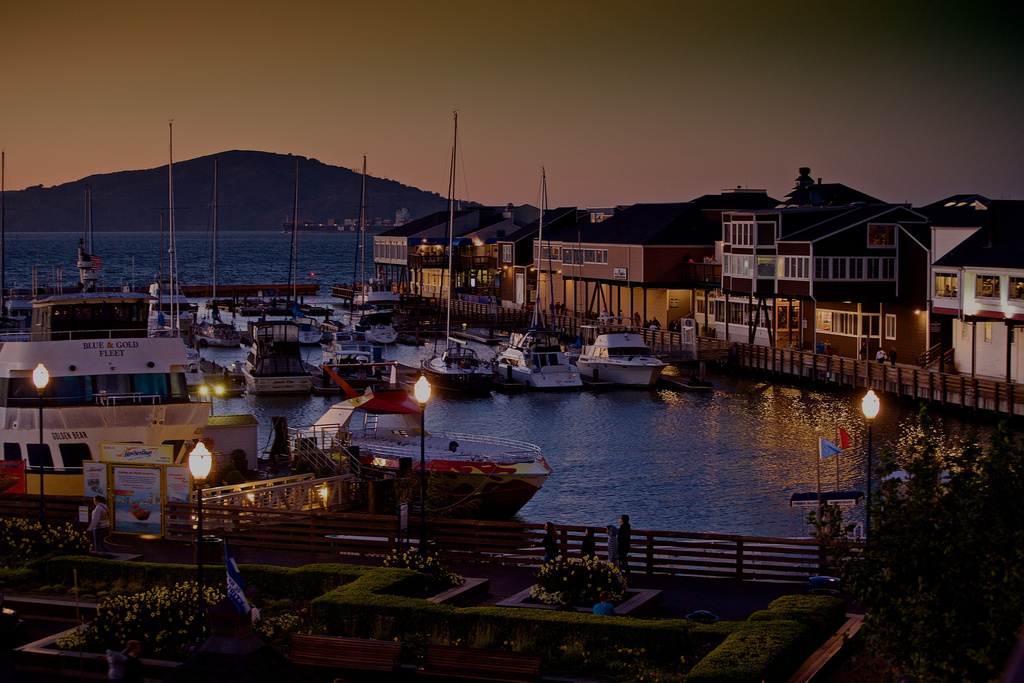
column 256, row 191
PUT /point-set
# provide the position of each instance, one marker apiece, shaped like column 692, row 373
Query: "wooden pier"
column 964, row 391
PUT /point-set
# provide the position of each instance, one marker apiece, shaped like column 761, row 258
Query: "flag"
column 827, row 449
column 844, row 438
column 96, row 263
column 236, row 586
column 296, row 311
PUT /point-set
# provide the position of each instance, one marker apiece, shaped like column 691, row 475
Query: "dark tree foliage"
column 942, row 577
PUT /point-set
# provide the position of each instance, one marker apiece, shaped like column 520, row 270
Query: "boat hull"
column 621, row 373
column 296, row 384
column 455, row 380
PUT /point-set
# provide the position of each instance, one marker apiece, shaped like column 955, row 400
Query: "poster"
column 95, row 479
column 178, row 484
column 12, row 476
column 137, row 501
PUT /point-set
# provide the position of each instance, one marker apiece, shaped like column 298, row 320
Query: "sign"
column 83, row 514
column 403, row 517
column 177, row 484
column 12, row 476
column 136, row 454
column 95, row 477
column 137, row 500
column 620, row 273
column 673, row 303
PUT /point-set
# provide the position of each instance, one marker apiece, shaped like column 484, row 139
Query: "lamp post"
column 422, row 391
column 869, row 405
column 199, row 462
column 41, row 377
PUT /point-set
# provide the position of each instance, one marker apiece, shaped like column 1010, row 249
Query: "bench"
column 481, row 664
column 355, row 654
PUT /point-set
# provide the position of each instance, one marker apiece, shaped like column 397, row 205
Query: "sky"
column 621, row 102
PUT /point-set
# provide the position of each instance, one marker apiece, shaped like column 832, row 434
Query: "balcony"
column 703, row 273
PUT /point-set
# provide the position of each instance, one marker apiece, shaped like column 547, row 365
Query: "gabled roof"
column 736, row 200
column 856, row 215
column 650, row 224
column 957, row 211
column 999, row 243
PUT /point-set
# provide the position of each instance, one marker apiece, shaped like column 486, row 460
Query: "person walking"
column 124, row 666
column 99, row 524
column 623, row 540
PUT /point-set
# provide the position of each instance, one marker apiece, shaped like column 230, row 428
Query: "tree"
column 942, row 577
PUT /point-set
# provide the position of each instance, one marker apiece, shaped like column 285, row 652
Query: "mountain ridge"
column 256, row 191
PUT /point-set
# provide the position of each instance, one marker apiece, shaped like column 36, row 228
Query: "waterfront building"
column 830, row 265
column 978, row 284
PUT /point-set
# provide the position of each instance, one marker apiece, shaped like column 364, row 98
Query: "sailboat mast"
column 362, row 235
column 293, row 275
column 171, row 261
column 451, row 231
column 214, row 297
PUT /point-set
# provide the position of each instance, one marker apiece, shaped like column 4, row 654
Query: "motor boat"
column 274, row 364
column 535, row 358
column 615, row 351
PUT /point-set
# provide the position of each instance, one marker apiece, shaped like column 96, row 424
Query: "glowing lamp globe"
column 870, row 404
column 422, row 390
column 40, row 377
column 200, row 460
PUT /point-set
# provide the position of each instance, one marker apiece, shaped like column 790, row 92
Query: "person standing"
column 548, row 542
column 613, row 545
column 588, row 547
column 623, row 541
column 880, row 356
column 892, row 357
column 99, row 524
column 125, row 666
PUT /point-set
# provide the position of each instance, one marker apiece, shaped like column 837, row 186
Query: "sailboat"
column 374, row 305
column 534, row 356
column 309, row 331
column 457, row 369
column 212, row 331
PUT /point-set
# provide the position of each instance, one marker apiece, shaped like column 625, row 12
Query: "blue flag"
column 236, row 586
column 827, row 448
column 296, row 311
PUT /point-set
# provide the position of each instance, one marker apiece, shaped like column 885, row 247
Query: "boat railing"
column 132, row 398
column 439, row 443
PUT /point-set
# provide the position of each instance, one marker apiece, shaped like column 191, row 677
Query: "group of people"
column 824, row 348
column 620, row 537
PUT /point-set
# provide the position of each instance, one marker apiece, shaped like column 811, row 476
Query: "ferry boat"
column 615, row 351
column 535, row 358
column 495, row 477
column 274, row 364
column 109, row 382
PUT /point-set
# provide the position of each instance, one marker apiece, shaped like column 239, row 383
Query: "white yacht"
column 615, row 351
column 535, row 358
column 109, row 383
column 274, row 364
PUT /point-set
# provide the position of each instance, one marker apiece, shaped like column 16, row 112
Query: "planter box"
column 43, row 657
column 638, row 602
column 473, row 590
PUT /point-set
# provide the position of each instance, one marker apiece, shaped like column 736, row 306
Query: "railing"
column 910, row 381
column 324, row 535
column 708, row 273
column 305, row 493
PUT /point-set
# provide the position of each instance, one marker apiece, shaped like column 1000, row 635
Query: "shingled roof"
column 999, row 243
column 651, row 224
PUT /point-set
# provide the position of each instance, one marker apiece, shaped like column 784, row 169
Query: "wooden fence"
column 331, row 536
column 909, row 381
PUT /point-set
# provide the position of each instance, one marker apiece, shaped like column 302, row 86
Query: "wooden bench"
column 478, row 663
column 355, row 654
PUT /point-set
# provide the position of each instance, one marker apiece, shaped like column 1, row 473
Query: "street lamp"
column 41, row 377
column 422, row 391
column 869, row 405
column 199, row 462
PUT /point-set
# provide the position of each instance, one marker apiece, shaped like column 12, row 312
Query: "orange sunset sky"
column 622, row 102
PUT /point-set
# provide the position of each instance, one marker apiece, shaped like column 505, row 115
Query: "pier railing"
column 322, row 535
column 981, row 393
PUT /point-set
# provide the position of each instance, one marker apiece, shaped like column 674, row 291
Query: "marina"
column 727, row 461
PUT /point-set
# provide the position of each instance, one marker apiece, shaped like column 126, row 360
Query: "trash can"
column 212, row 549
column 825, row 585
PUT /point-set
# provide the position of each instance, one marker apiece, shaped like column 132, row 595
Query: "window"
column 873, row 268
column 838, row 269
column 766, row 266
column 741, row 233
column 945, row 284
column 890, row 326
column 796, row 267
column 821, row 268
column 1016, row 289
column 506, row 253
column 988, row 332
column 856, row 269
column 869, row 325
column 836, row 322
column 881, row 235
column 987, row 287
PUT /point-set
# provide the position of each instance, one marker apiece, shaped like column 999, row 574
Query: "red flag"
column 844, row 438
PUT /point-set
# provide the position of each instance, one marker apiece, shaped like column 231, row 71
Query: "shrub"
column 584, row 577
column 23, row 542
column 439, row 577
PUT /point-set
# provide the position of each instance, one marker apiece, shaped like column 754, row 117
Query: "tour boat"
column 109, row 383
column 535, row 358
column 614, row 351
column 495, row 477
column 274, row 364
